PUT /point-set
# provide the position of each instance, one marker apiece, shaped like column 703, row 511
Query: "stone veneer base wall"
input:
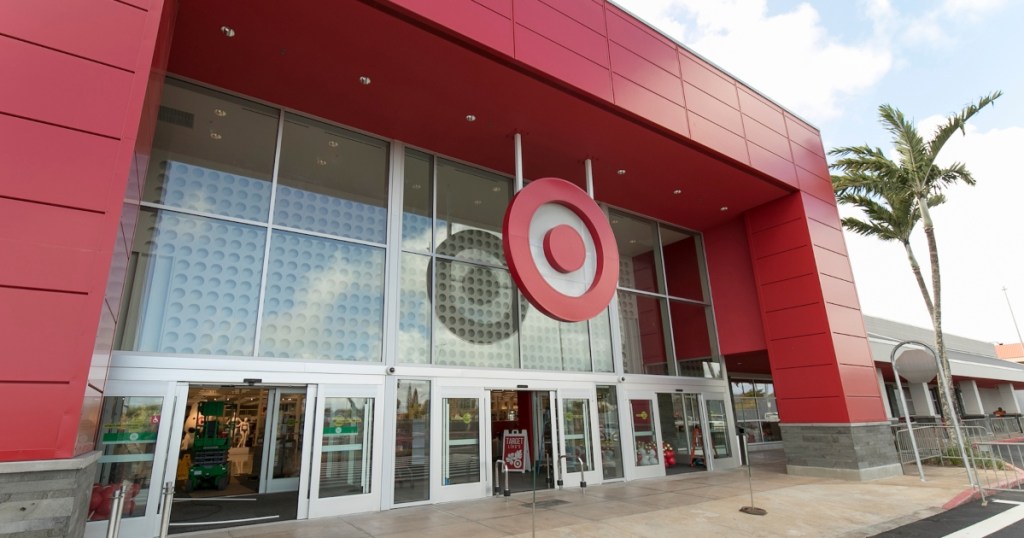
column 846, row 451
column 46, row 498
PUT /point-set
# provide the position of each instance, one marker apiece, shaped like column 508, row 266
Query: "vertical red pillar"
column 79, row 92
column 833, row 418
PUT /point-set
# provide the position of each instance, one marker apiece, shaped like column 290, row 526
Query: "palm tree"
column 896, row 195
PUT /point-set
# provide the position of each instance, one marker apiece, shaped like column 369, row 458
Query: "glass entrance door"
column 345, row 469
column 577, row 434
column 461, row 456
column 286, row 419
column 647, row 459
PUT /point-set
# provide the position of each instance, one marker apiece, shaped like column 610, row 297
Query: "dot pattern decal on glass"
column 202, row 279
column 549, row 344
column 476, row 327
column 324, row 299
column 210, row 191
column 316, row 212
column 414, row 310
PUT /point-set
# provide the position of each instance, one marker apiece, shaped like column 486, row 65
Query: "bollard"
column 165, row 506
column 116, row 504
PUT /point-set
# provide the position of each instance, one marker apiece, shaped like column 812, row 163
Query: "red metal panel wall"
column 68, row 132
column 597, row 48
column 814, row 331
column 734, row 295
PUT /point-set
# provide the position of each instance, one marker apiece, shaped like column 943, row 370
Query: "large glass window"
column 608, row 422
column 417, row 213
column 212, row 153
column 642, row 324
column 475, row 316
column 756, row 411
column 461, row 438
column 193, row 284
column 332, row 181
column 471, row 204
column 324, row 299
column 346, row 456
column 412, row 441
column 414, row 309
column 637, row 240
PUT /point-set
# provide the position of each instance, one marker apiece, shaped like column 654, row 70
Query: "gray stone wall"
column 853, row 451
column 46, row 498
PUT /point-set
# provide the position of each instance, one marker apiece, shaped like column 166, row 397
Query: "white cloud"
column 789, row 56
column 979, row 236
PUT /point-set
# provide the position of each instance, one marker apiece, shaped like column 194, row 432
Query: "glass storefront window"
column 332, row 181
column 719, row 427
column 193, row 285
column 346, row 456
column 414, row 310
column 576, row 424
column 471, row 204
column 549, row 344
column 416, row 201
column 474, row 316
column 212, row 153
column 601, row 343
column 127, row 438
column 756, row 411
column 682, row 264
column 637, row 240
column 412, row 441
column 642, row 324
column 692, row 341
column 324, row 299
column 608, row 422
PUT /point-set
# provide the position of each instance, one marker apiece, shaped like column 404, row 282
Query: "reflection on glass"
column 127, row 438
column 608, row 422
column 682, row 264
column 414, row 310
column 601, row 343
column 637, row 240
column 475, row 319
column 645, row 437
column 674, row 429
column 692, row 343
column 717, row 423
column 549, row 344
column 417, row 210
column 641, row 321
column 212, row 153
column 470, row 200
column 412, row 441
column 332, row 181
column 347, row 453
column 324, row 299
column 576, row 424
column 461, row 457
column 193, row 285
column 756, row 411
column 288, row 450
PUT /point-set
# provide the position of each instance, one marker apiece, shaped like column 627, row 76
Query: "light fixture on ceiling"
column 724, row 208
column 321, row 162
column 215, row 135
column 632, row 241
column 677, row 191
column 495, row 189
column 227, row 31
column 365, row 80
column 416, row 186
column 621, row 172
column 477, row 202
column 220, row 112
column 470, row 118
column 332, row 143
column 615, row 221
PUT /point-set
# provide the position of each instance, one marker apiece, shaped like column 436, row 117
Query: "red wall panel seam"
column 51, row 124
column 790, row 307
column 608, row 46
column 783, row 252
column 776, row 225
column 131, row 5
column 45, row 290
column 559, row 45
column 823, row 223
column 832, row 251
column 62, row 206
column 66, row 53
column 767, row 282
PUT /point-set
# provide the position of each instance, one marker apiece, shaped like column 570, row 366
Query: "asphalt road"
column 1002, row 518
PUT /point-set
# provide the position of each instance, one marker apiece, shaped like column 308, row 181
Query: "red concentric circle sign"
column 560, row 250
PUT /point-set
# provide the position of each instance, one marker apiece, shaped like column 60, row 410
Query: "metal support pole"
column 519, row 161
column 116, row 506
column 165, row 506
column 590, row 178
column 497, row 487
column 906, row 413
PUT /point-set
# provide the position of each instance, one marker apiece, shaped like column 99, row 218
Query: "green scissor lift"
column 210, row 450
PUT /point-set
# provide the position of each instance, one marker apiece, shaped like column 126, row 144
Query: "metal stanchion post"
column 165, row 505
column 116, row 504
column 752, row 510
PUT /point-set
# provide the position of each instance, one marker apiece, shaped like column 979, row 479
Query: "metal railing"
column 998, row 427
column 1000, row 465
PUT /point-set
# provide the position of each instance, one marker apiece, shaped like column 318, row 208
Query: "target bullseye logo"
column 560, row 250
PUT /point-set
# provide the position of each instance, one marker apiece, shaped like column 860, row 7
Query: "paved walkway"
column 699, row 504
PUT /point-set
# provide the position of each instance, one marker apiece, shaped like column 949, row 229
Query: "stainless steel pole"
column 906, row 412
column 165, row 504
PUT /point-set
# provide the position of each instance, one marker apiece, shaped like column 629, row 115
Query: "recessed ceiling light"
column 321, row 162
column 470, row 118
column 496, row 188
column 365, row 80
column 215, row 135
column 615, row 221
column 227, row 31
column 621, row 172
column 677, row 191
column 219, row 112
column 477, row 202
column 632, row 241
column 724, row 208
column 416, row 186
column 332, row 143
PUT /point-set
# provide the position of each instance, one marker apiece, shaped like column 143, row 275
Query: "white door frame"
column 630, row 450
column 440, row 423
column 593, row 474
column 269, row 484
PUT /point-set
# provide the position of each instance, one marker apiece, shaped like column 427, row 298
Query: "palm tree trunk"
column 916, row 268
column 940, row 348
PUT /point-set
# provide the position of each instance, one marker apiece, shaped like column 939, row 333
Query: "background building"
column 288, row 216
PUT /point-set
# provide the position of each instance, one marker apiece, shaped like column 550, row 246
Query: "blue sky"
column 834, row 62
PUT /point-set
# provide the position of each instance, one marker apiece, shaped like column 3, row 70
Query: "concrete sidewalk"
column 698, row 504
